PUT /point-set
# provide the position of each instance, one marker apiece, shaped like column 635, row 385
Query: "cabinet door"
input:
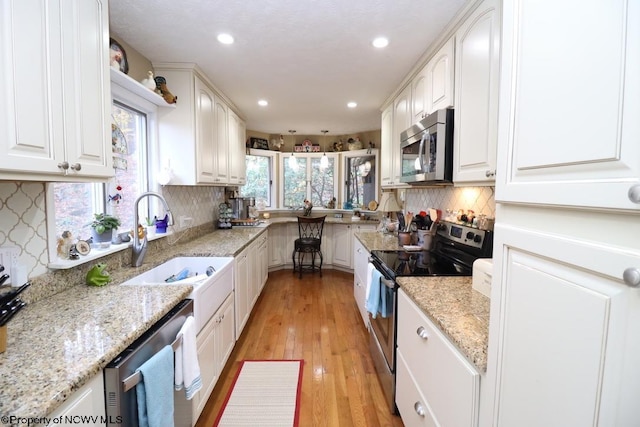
column 87, row 90
column 342, row 245
column 221, row 158
column 277, row 237
column 87, row 401
column 477, row 80
column 569, row 131
column 207, row 361
column 225, row 333
column 419, row 95
column 206, row 133
column 386, row 148
column 236, row 150
column 54, row 88
column 568, row 332
column 263, row 254
column 439, row 78
column 360, row 263
column 241, row 291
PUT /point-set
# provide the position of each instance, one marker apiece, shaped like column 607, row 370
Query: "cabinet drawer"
column 449, row 383
column 360, row 258
column 412, row 406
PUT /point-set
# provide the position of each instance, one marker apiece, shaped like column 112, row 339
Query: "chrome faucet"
column 139, row 247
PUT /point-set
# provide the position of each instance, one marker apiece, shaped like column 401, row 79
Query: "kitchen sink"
column 211, row 278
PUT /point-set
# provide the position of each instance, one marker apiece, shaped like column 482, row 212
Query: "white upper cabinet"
column 55, row 97
column 195, row 136
column 476, row 96
column 440, row 77
column 585, row 149
column 395, row 119
column 237, row 165
column 432, row 87
column 387, row 170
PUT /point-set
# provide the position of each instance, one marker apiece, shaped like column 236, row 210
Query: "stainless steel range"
column 456, row 247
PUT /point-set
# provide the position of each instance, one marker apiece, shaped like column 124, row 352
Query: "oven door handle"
column 388, row 283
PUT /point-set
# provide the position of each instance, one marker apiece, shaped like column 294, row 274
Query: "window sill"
column 96, row 253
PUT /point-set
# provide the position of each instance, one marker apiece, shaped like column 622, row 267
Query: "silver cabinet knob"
column 634, row 193
column 63, row 165
column 489, row 173
column 419, row 408
column 76, row 167
column 631, row 276
column 422, row 333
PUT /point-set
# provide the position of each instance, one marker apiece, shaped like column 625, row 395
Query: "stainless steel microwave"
column 427, row 150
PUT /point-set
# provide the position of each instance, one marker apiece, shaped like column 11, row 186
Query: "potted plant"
column 102, row 228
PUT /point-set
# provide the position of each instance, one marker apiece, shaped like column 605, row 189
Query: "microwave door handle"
column 421, row 151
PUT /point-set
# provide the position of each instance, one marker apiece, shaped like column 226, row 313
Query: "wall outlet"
column 9, row 260
column 185, row 221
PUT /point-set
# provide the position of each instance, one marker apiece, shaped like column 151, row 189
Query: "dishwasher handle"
column 133, row 379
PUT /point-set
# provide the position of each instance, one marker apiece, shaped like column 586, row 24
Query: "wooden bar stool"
column 308, row 242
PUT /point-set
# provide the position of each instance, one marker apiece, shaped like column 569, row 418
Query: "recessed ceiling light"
column 380, row 42
column 225, row 38
column 263, row 103
column 352, row 104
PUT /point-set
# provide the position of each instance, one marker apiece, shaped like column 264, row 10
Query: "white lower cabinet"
column 215, row 343
column 436, row 385
column 277, row 239
column 360, row 263
column 251, row 274
column 87, row 401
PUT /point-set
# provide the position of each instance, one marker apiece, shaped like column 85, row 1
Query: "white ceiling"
column 307, row 58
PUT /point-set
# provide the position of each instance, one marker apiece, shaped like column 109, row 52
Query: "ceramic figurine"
column 149, row 82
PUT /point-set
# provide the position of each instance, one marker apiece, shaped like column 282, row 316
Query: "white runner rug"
column 264, row 393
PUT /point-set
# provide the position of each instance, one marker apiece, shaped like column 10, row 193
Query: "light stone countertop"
column 459, row 311
column 56, row 344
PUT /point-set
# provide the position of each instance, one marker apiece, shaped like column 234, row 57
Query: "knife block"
column 3, row 338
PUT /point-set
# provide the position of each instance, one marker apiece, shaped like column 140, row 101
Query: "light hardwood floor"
column 314, row 319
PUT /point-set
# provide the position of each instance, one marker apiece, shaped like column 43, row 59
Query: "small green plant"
column 150, row 221
column 103, row 222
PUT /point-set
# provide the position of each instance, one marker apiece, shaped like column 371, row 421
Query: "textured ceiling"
column 308, row 58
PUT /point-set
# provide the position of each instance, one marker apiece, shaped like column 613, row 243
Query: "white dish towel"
column 370, row 268
column 187, row 369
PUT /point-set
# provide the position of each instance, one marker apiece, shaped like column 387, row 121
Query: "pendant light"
column 293, row 162
column 324, row 161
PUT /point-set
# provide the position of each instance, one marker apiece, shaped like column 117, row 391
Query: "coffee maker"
column 241, row 206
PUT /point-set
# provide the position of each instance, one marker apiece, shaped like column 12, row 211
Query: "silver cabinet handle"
column 631, row 277
column 419, row 408
column 63, row 165
column 422, row 333
column 634, row 193
column 76, row 167
column 489, row 173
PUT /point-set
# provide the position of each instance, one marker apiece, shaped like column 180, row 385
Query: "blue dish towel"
column 386, row 301
column 155, row 391
column 373, row 300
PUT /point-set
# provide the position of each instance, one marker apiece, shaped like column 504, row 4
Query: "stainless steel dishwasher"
column 120, row 375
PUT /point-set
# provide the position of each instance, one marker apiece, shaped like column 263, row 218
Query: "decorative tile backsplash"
column 23, row 217
column 23, row 223
column 479, row 199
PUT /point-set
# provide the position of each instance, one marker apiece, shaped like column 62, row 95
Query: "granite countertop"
column 55, row 345
column 328, row 220
column 459, row 311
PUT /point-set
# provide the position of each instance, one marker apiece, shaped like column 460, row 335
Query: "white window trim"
column 275, row 164
column 284, row 157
